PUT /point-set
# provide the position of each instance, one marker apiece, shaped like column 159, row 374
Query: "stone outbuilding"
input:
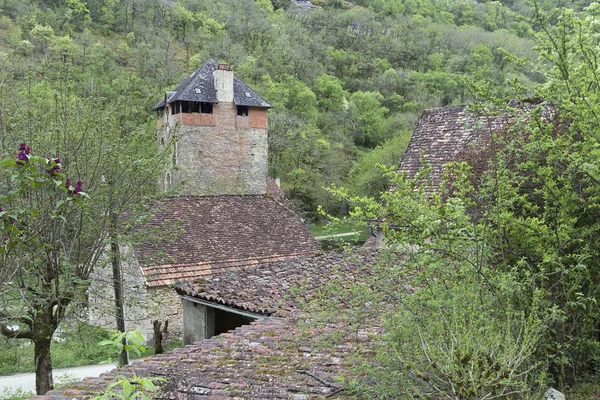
column 229, row 215
column 447, row 134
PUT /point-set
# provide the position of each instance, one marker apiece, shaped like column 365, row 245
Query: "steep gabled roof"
column 200, row 87
column 211, row 235
column 244, row 96
column 443, row 134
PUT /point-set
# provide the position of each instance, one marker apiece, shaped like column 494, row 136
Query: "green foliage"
column 130, row 341
column 76, row 345
column 18, row 394
column 136, row 387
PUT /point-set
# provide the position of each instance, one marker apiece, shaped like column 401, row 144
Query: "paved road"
column 26, row 382
column 337, row 235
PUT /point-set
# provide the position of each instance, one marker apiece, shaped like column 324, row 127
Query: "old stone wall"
column 222, row 159
column 142, row 305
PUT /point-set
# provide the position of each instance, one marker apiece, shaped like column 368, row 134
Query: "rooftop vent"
column 248, row 94
column 197, row 90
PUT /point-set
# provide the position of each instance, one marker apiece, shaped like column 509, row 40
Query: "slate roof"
column 269, row 359
column 210, row 235
column 264, row 289
column 200, row 87
column 444, row 133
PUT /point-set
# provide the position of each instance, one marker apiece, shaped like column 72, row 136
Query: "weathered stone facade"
column 142, row 304
column 221, row 158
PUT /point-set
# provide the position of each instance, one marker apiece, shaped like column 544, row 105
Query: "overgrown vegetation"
column 347, row 79
column 503, row 256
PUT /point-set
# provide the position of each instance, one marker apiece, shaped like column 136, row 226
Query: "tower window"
column 175, row 155
column 242, row 111
column 206, row 108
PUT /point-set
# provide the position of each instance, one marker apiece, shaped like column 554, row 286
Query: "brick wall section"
column 190, row 119
column 258, row 117
column 142, row 305
column 221, row 159
column 206, row 119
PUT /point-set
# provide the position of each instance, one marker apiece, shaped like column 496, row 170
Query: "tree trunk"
column 118, row 288
column 43, row 365
column 158, row 348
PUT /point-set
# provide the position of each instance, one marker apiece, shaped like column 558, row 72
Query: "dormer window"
column 242, row 111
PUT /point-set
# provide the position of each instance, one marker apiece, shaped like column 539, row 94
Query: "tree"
column 47, row 248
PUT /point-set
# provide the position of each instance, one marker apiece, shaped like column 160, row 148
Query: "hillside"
column 348, row 79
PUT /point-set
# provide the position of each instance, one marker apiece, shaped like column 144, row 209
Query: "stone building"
column 229, row 215
column 221, row 129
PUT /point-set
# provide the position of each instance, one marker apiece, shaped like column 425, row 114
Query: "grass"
column 333, row 228
column 77, row 346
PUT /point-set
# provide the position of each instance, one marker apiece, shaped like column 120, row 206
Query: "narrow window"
column 175, row 155
column 206, row 108
column 242, row 111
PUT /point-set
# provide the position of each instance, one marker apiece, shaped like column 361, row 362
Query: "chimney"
column 224, row 83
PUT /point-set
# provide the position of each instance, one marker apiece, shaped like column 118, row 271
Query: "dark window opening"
column 189, row 107
column 176, row 107
column 206, row 108
column 174, row 160
column 226, row 321
column 242, row 111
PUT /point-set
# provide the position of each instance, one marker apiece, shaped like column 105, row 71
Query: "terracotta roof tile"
column 217, row 234
column 272, row 358
column 265, row 289
column 444, row 133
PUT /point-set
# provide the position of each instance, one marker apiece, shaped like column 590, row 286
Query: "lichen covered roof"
column 200, row 87
column 268, row 359
column 273, row 358
column 443, row 134
column 211, row 235
column 265, row 289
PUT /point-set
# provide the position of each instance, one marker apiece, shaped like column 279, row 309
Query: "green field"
column 330, row 229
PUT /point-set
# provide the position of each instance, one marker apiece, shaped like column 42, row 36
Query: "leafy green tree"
column 368, row 118
column 46, row 248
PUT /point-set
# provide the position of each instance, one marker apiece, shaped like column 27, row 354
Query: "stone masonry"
column 222, row 159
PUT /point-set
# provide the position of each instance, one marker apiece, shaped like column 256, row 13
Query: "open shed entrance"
column 203, row 319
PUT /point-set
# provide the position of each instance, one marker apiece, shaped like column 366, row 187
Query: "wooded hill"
column 348, row 79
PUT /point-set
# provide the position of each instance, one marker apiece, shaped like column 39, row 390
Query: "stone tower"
column 221, row 129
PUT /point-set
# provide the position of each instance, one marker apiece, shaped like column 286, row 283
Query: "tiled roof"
column 443, row 134
column 211, row 235
column 265, row 289
column 200, row 86
column 270, row 359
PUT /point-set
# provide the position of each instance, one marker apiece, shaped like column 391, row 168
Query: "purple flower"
column 22, row 158
column 78, row 187
column 55, row 168
column 23, row 148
